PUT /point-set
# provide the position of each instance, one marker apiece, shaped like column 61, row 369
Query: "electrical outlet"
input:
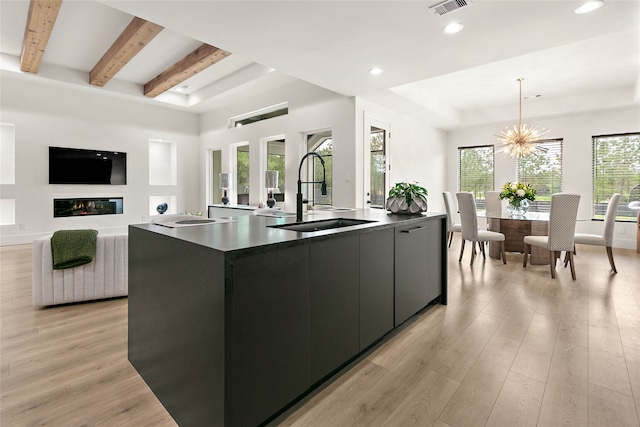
column 23, row 227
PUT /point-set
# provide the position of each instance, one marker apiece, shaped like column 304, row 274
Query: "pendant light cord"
column 520, row 112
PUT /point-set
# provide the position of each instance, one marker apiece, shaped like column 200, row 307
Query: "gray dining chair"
column 470, row 231
column 452, row 226
column 562, row 228
column 606, row 238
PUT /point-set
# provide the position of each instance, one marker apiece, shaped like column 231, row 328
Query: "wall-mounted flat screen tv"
column 78, row 166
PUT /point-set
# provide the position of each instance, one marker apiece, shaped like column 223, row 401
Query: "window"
column 321, row 143
column 475, row 171
column 242, row 173
column 616, row 169
column 215, row 168
column 543, row 170
column 275, row 162
column 259, row 115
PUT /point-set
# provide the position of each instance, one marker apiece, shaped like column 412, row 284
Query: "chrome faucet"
column 323, row 184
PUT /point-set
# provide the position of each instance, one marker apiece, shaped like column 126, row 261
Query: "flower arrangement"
column 516, row 192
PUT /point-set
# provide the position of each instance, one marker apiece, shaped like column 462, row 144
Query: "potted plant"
column 519, row 195
column 407, row 198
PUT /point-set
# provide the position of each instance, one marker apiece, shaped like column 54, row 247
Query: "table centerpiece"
column 519, row 195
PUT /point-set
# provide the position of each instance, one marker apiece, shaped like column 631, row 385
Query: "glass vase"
column 516, row 208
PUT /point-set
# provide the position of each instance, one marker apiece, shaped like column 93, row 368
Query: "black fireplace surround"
column 87, row 206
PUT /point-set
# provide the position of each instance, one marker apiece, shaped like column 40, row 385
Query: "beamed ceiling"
column 41, row 21
column 197, row 55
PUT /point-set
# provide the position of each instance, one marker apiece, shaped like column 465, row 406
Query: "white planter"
column 399, row 205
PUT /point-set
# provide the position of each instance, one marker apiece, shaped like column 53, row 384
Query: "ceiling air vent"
column 449, row 6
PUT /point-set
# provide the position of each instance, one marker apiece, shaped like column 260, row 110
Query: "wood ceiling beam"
column 132, row 40
column 40, row 21
column 201, row 58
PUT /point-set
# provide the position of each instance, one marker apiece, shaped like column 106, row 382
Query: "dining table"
column 514, row 228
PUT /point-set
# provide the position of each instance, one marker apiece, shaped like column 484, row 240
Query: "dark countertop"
column 240, row 207
column 252, row 231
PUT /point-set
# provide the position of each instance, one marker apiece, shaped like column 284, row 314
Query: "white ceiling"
column 574, row 62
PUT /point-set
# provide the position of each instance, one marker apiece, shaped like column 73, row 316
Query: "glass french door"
column 215, row 167
column 242, row 174
column 377, row 138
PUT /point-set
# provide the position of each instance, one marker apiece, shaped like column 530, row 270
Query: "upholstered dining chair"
column 470, row 231
column 452, row 225
column 606, row 239
column 562, row 227
column 493, row 204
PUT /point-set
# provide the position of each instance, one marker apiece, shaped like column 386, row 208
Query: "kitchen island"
column 230, row 323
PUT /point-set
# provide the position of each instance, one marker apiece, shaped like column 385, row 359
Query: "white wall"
column 47, row 115
column 310, row 108
column 51, row 115
column 418, row 151
column 576, row 132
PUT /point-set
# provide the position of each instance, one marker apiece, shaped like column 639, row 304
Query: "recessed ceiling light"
column 375, row 71
column 453, row 28
column 589, row 6
column 182, row 88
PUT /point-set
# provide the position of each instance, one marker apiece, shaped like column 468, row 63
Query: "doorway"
column 376, row 163
column 214, row 193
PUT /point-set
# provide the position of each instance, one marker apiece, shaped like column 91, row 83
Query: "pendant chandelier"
column 520, row 141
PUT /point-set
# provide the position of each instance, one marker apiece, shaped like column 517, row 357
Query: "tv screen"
column 78, row 166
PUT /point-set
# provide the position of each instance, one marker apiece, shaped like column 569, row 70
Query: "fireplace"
column 87, row 206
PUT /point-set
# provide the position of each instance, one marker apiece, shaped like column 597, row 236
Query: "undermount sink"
column 325, row 224
column 192, row 222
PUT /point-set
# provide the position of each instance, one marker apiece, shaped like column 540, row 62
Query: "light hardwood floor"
column 513, row 347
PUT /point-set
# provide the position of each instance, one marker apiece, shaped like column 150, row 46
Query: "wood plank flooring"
column 513, row 348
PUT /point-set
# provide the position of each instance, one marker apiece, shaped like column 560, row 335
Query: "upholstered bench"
column 104, row 277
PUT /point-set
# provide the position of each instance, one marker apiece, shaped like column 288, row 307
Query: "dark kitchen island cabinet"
column 230, row 323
